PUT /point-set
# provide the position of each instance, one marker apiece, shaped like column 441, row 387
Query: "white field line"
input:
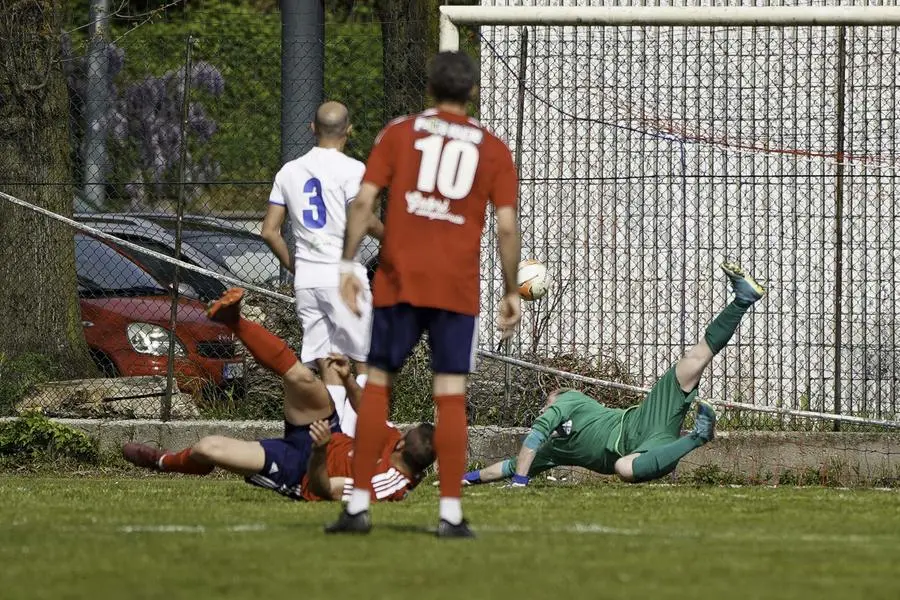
column 244, row 528
column 575, row 529
column 598, row 529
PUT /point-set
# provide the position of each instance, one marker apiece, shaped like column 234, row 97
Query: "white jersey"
column 316, row 189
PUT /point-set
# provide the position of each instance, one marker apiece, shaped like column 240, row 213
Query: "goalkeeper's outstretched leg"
column 659, row 418
column 746, row 291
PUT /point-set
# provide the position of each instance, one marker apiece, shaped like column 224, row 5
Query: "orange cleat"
column 226, row 309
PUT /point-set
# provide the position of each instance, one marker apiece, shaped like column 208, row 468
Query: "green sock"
column 657, row 462
column 723, row 326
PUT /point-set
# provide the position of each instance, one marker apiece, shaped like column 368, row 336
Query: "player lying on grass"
column 313, row 459
column 642, row 442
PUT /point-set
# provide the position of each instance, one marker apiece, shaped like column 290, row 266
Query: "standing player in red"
column 441, row 168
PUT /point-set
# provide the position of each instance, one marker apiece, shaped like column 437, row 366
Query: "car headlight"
column 147, row 338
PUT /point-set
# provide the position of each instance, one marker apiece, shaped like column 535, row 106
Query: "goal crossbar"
column 662, row 16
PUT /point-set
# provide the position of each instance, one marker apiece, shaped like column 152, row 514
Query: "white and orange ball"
column 532, row 279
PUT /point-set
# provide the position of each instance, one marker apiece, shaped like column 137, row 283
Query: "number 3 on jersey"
column 450, row 168
column 315, row 216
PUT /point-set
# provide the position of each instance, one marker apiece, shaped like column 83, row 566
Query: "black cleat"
column 347, row 523
column 446, row 529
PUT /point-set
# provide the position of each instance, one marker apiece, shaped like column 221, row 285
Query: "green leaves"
column 35, row 438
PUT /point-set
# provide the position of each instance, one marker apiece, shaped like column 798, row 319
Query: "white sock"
column 348, row 420
column 361, row 380
column 359, row 501
column 451, row 510
column 339, row 395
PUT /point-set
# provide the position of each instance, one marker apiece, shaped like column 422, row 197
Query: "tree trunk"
column 39, row 309
column 409, row 33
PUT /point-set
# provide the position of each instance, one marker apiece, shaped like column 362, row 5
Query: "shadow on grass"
column 376, row 527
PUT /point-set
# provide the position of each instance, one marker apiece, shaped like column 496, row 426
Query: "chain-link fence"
column 647, row 155
column 183, row 114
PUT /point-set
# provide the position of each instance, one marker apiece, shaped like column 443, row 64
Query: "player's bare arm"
column 510, row 248
column 359, row 217
column 526, row 457
column 376, row 227
column 271, row 233
column 503, row 469
column 319, row 482
column 495, row 472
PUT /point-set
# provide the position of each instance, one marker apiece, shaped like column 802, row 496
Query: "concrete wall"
column 847, row 458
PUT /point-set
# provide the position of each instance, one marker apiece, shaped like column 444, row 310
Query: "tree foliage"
column 143, row 125
column 376, row 54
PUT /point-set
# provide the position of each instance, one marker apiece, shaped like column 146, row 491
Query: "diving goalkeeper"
column 642, row 442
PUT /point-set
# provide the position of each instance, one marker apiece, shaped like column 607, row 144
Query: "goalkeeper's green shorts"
column 657, row 420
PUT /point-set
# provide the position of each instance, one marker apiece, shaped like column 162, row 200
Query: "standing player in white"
column 315, row 191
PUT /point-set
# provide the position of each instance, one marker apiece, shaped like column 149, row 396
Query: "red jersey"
column 441, row 171
column 388, row 484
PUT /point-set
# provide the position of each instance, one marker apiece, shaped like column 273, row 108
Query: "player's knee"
column 624, row 469
column 212, row 447
column 687, row 376
column 300, row 376
column 449, row 384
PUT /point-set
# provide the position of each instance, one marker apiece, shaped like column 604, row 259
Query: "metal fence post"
column 520, row 119
column 96, row 107
column 302, row 82
column 166, row 411
column 839, row 216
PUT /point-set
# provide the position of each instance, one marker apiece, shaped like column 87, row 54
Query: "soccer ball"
column 532, row 279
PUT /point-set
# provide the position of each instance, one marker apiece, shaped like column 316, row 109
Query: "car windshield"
column 103, row 271
column 247, row 256
column 226, row 246
column 242, row 253
column 189, row 225
column 207, row 288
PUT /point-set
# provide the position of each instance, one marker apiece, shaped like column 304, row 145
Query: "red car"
column 125, row 313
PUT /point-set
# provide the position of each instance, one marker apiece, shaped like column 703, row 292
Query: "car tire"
column 104, row 363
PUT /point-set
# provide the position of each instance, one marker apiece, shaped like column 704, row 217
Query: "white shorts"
column 329, row 326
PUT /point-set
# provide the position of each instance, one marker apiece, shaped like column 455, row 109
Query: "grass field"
column 174, row 538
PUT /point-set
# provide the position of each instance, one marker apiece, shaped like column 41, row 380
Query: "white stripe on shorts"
column 473, row 351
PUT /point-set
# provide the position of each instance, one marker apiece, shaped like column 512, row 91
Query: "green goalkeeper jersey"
column 580, row 432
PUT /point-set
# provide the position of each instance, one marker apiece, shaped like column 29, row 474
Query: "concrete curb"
column 852, row 457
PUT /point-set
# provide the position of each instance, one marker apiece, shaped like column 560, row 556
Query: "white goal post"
column 674, row 124
column 662, row 16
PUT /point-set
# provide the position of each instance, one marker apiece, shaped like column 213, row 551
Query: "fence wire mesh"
column 647, row 155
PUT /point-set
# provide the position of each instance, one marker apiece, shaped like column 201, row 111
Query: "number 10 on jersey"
column 448, row 167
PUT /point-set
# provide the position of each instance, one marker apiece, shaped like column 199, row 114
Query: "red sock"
column 451, row 439
column 371, row 434
column 181, row 462
column 268, row 349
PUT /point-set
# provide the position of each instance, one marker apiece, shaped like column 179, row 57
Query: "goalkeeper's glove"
column 519, row 481
column 472, row 477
